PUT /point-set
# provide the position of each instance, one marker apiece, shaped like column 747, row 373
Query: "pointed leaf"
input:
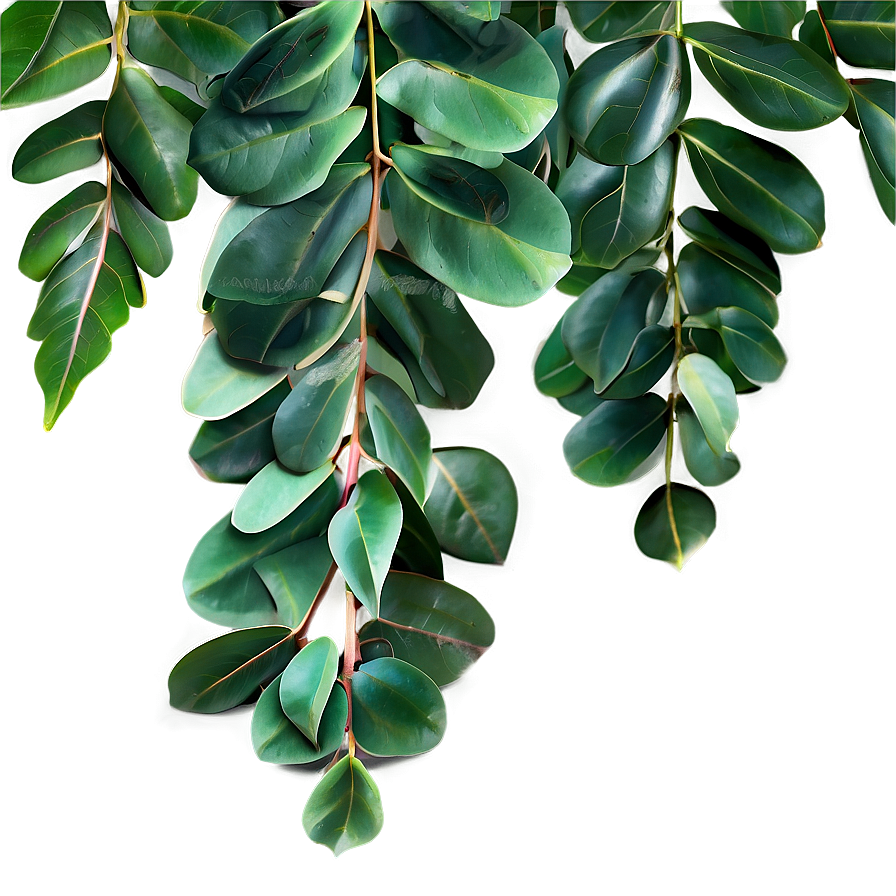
column 602, row 22
column 875, row 105
column 778, row 18
column 397, row 710
column 473, row 504
column 418, row 548
column 306, row 684
column 707, row 467
column 146, row 235
column 863, row 33
column 710, row 393
column 674, row 522
column 813, row 34
column 223, row 672
column 363, row 536
column 345, row 808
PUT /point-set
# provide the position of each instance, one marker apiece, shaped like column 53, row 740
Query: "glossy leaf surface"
column 581, row 402
column 875, row 105
column 674, row 523
column 813, row 34
column 710, row 393
column 778, row 18
column 707, row 467
column 863, row 33
column 418, row 548
column 306, row 683
column 294, row 576
column 556, row 374
column 146, row 235
column 602, row 22
column 651, row 355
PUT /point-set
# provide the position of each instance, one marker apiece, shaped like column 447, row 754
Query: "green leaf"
column 732, row 243
column 64, row 144
column 223, row 672
column 473, row 504
column 600, row 328
column 399, row 433
column 862, row 32
column 276, row 739
column 707, row 467
column 602, row 22
column 709, row 343
column 875, row 105
column 235, row 448
column 271, row 159
column 146, row 235
column 397, row 710
column 56, row 229
column 619, row 441
column 273, row 494
column 431, row 625
column 581, row 402
column 220, row 582
column 290, row 55
column 306, row 683
column 150, row 138
column 190, row 110
column 757, row 184
column 52, row 48
column 24, row 27
column 652, row 353
column 275, row 255
column 624, row 100
column 616, row 209
column 309, row 424
column 486, row 85
column 778, row 18
column 510, row 263
column 774, row 81
column 813, row 35
column 708, row 281
column 217, row 385
column 477, row 9
column 294, row 576
column 418, row 548
column 363, row 535
column 556, row 374
column 381, row 360
column 674, row 523
column 449, row 357
column 710, row 393
column 82, row 302
column 345, row 809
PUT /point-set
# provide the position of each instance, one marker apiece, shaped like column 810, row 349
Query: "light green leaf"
column 273, row 494
column 510, row 263
column 64, row 144
column 363, row 535
column 345, row 808
column 56, row 229
column 223, row 672
column 431, row 625
column 309, row 424
column 397, row 710
column 710, row 393
column 619, row 441
column 674, row 523
column 473, row 504
column 306, row 683
column 217, row 385
column 757, row 184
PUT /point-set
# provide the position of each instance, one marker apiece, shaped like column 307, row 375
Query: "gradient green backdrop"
column 729, row 730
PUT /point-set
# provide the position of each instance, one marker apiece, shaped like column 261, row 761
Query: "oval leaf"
column 675, row 521
column 602, row 22
column 418, row 548
column 556, row 374
column 306, row 684
column 707, row 467
column 710, row 393
column 146, row 235
column 862, row 33
column 778, row 18
column 875, row 105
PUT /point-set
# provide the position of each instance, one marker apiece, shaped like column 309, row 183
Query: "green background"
column 632, row 730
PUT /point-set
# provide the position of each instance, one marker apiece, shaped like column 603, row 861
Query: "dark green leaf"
column 652, row 353
column 710, row 393
column 774, row 81
column 363, row 535
column 306, row 683
column 56, row 229
column 674, row 523
column 235, row 448
column 618, row 442
column 431, row 625
column 308, row 426
column 813, row 35
column 473, row 504
column 345, row 809
column 616, row 209
column 707, row 467
column 52, row 48
column 477, row 9
column 220, row 582
column 624, row 100
column 146, row 235
column 381, row 360
column 875, row 105
column 778, row 18
column 511, row 263
column 64, row 144
column 581, row 402
column 397, row 710
column 190, row 110
column 556, row 374
column 709, row 343
column 217, row 385
column 399, row 433
column 602, row 22
column 862, row 32
column 294, row 576
column 757, row 184
column 223, row 672
column 418, row 548
column 486, row 85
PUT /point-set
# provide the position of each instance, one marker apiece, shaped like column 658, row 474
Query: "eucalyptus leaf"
column 707, row 467
column 602, row 22
column 363, row 535
column 223, row 672
column 397, row 710
column 875, row 105
column 862, row 33
column 581, row 402
column 345, row 808
column 418, row 548
column 757, row 184
column 64, row 144
column 652, row 353
column 220, row 582
column 778, row 18
column 473, row 504
column 556, row 374
column 710, row 392
column 619, row 441
column 432, row 625
column 145, row 234
column 306, row 683
column 675, row 521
